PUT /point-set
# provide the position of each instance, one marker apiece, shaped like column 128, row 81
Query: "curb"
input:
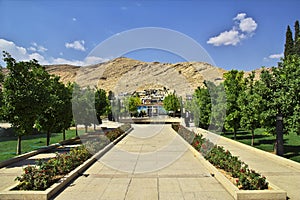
column 281, row 160
column 275, row 194
column 9, row 194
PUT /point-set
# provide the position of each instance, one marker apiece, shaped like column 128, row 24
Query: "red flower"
column 237, row 180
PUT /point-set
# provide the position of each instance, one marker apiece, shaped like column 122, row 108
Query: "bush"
column 114, row 134
column 46, row 173
column 246, row 179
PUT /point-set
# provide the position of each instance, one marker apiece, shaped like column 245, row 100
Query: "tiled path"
column 152, row 162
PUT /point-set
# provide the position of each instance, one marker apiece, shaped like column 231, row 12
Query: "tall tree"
column 101, row 103
column 24, row 95
column 250, row 104
column 83, row 106
column 66, row 109
column 234, row 85
column 171, row 103
column 297, row 39
column 57, row 113
column 289, row 43
column 202, row 108
column 218, row 106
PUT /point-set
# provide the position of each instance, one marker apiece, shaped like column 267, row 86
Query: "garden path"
column 152, row 162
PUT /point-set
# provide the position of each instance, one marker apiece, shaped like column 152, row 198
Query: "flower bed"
column 45, row 173
column 244, row 178
column 235, row 176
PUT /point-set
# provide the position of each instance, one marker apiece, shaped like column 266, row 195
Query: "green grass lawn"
column 265, row 142
column 8, row 144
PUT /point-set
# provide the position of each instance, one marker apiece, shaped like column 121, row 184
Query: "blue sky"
column 237, row 34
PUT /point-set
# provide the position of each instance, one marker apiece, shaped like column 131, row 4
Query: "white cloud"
column 21, row 54
column 248, row 25
column 225, row 38
column 276, row 56
column 77, row 45
column 94, row 60
column 74, row 19
column 87, row 61
column 244, row 28
column 36, row 47
column 240, row 16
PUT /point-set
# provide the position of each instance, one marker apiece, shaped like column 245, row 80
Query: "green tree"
column 202, row 109
column 297, row 39
column 56, row 116
column 234, row 86
column 132, row 105
column 1, row 92
column 171, row 103
column 101, row 103
column 83, row 106
column 289, row 43
column 218, row 106
column 66, row 109
column 250, row 104
column 24, row 95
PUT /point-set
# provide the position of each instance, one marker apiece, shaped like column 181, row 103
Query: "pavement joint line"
column 157, row 186
column 127, row 189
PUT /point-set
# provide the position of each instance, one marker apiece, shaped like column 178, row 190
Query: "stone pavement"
column 280, row 171
column 152, row 162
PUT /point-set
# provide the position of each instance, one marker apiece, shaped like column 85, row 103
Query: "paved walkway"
column 281, row 172
column 151, row 162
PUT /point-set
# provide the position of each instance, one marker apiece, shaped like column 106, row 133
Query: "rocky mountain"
column 125, row 75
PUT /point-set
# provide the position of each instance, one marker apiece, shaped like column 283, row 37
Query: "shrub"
column 46, row 173
column 245, row 178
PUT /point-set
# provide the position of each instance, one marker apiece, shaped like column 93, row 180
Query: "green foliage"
column 101, row 103
column 58, row 114
column 83, row 104
column 234, row 86
column 46, row 173
column 171, row 103
column 289, row 43
column 25, row 95
column 246, row 179
column 292, row 45
column 297, row 39
column 132, row 104
column 250, row 103
column 202, row 108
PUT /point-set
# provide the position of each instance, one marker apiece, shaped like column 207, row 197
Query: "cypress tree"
column 297, row 39
column 289, row 43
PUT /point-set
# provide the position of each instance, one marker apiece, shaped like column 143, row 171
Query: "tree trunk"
column 86, row 128
column 76, row 130
column 64, row 134
column 252, row 141
column 19, row 145
column 48, row 138
column 234, row 133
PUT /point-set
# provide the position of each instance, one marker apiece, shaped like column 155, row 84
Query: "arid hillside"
column 125, row 75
